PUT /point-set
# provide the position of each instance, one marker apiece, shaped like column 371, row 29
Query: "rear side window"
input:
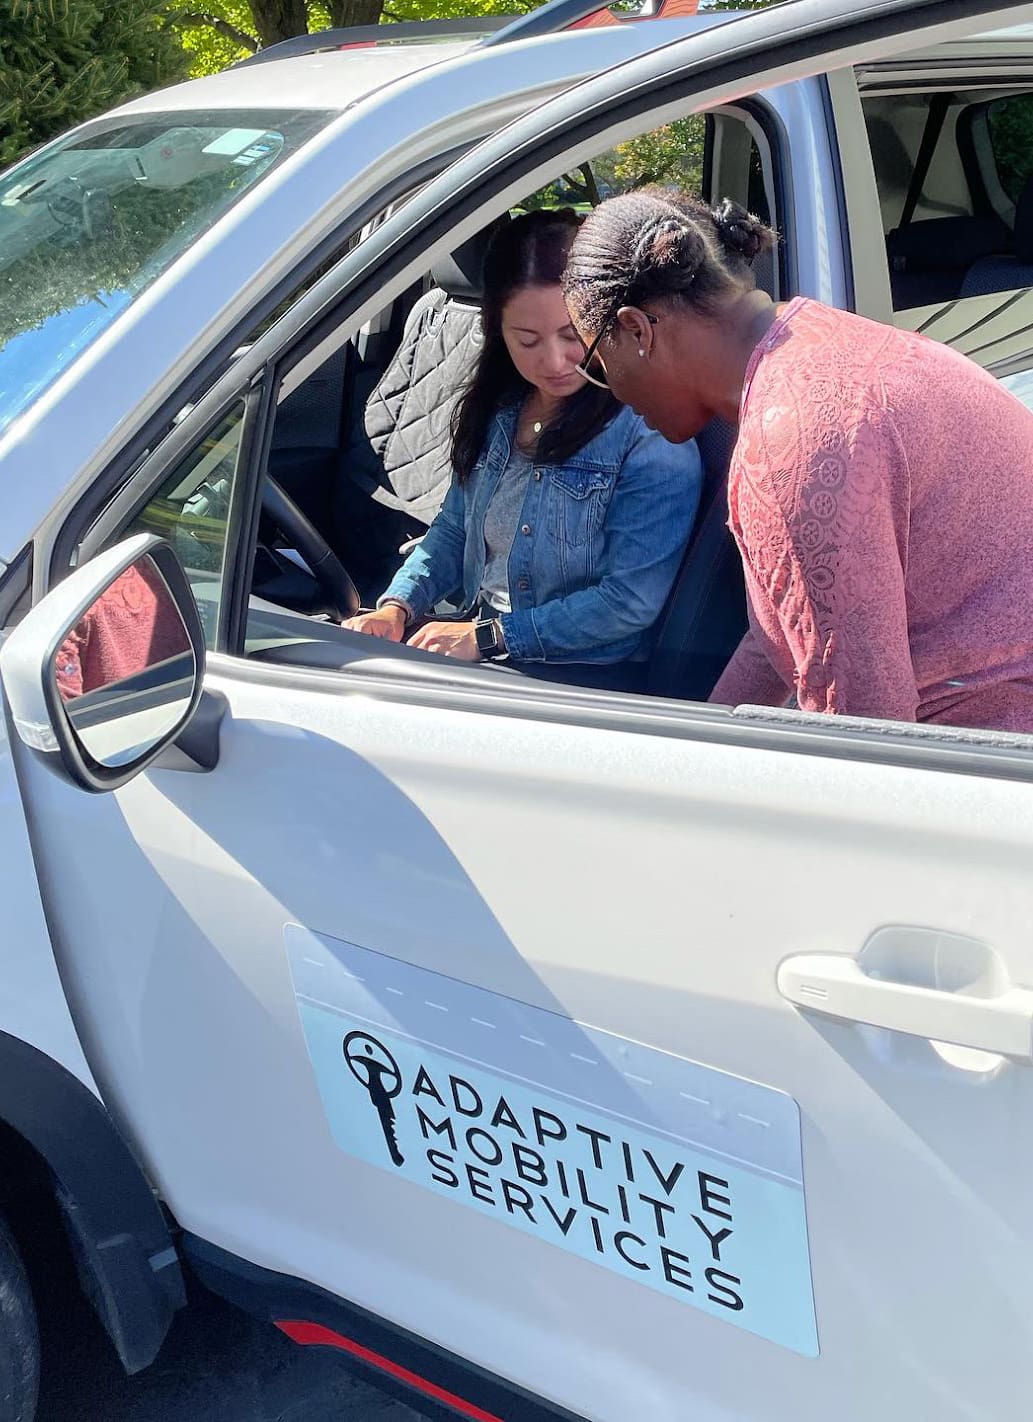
column 951, row 169
column 89, row 222
column 1011, row 137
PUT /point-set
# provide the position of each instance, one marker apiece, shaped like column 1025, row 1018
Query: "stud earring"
column 641, row 351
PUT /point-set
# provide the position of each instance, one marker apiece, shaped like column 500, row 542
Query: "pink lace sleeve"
column 823, row 536
column 749, row 679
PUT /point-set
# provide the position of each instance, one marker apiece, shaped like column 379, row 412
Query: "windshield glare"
column 91, row 221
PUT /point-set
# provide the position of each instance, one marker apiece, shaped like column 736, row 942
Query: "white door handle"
column 837, row 986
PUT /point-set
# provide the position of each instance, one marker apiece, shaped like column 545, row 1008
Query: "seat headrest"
column 460, row 274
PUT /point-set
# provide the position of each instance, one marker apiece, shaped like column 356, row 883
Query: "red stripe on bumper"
column 315, row 1333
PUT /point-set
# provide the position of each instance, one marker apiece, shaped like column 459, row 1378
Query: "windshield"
column 92, row 220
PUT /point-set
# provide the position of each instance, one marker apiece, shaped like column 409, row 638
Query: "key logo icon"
column 376, row 1070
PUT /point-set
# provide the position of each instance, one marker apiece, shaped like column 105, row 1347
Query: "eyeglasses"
column 592, row 367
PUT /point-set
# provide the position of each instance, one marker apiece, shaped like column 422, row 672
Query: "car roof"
column 331, row 79
column 335, row 79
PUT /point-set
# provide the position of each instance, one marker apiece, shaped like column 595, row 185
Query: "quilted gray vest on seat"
column 407, row 415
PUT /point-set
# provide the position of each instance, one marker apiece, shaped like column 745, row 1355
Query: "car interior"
column 359, row 459
column 954, row 171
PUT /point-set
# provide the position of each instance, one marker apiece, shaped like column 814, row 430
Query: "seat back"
column 705, row 616
column 399, row 450
column 1011, row 267
column 928, row 259
column 408, row 414
column 395, row 455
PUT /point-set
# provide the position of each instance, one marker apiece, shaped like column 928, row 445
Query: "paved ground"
column 217, row 1365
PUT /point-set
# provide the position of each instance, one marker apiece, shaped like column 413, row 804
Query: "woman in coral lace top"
column 880, row 490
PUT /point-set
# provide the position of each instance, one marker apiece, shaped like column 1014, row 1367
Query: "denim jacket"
column 597, row 547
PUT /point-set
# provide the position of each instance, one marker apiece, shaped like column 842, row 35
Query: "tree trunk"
column 277, row 20
column 591, row 187
column 355, row 12
column 201, row 19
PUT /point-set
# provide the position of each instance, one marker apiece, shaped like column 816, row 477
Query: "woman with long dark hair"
column 567, row 517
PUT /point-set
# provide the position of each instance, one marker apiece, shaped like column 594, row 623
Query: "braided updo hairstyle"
column 654, row 243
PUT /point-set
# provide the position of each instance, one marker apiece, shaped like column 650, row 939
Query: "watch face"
column 487, row 641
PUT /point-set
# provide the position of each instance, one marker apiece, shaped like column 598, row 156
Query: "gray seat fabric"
column 993, row 274
column 395, row 466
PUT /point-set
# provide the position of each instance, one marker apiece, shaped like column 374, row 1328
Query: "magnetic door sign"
column 677, row 1176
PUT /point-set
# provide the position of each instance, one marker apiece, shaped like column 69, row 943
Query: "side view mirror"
column 107, row 670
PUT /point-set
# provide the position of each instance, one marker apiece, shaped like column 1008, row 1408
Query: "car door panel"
column 32, row 1000
column 645, row 885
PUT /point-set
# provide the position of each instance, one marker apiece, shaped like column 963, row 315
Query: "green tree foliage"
column 62, row 61
column 454, row 9
column 217, row 34
column 220, row 32
column 1011, row 133
column 671, row 155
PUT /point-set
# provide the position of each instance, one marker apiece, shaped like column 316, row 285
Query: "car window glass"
column 952, row 171
column 192, row 510
column 1010, row 125
column 91, row 221
column 671, row 155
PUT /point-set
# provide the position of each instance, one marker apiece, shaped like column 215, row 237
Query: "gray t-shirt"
column 500, row 526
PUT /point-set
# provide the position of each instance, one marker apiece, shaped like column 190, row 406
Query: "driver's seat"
column 397, row 454
column 704, row 618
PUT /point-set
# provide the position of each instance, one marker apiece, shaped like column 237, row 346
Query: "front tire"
column 19, row 1336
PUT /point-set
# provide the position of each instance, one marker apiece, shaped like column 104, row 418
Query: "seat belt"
column 930, row 137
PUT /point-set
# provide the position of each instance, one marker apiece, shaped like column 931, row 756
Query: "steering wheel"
column 324, row 564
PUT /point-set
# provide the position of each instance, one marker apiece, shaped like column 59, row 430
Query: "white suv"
column 559, row 1054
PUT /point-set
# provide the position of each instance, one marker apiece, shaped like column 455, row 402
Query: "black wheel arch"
column 127, row 1261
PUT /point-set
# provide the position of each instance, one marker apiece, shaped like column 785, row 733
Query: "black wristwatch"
column 490, row 642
